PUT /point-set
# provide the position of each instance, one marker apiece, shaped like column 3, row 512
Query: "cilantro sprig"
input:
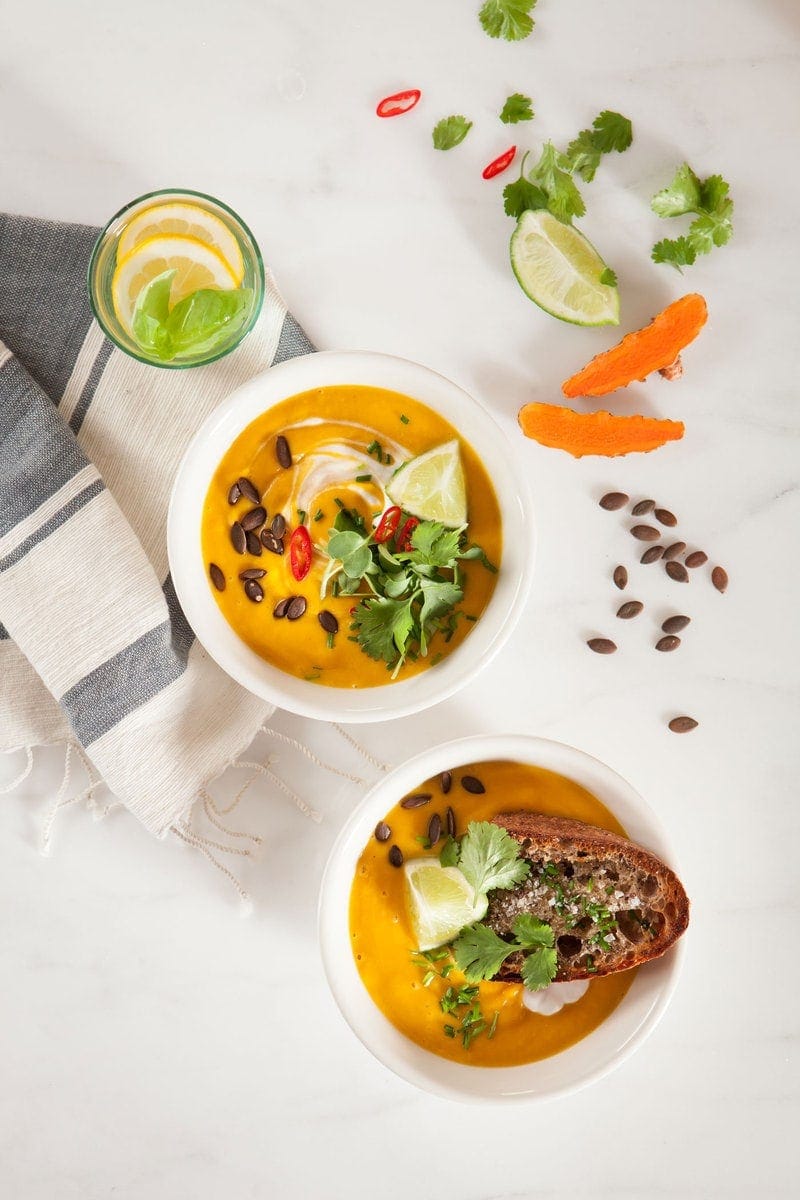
column 479, row 952
column 509, row 19
column 709, row 200
column 489, row 858
column 407, row 595
column 450, row 131
column 517, row 108
column 550, row 184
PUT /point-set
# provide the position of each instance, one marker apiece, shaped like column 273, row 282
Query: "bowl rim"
column 386, row 701
column 342, row 975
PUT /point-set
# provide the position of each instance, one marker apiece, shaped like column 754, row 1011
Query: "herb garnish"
column 549, row 184
column 509, row 19
column 450, row 131
column 461, row 1002
column 480, row 952
column 517, row 108
column 713, row 224
column 410, row 594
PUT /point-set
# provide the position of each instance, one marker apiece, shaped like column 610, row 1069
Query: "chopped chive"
column 423, row 841
column 470, row 617
column 493, row 1025
column 449, row 1031
column 301, row 516
column 404, row 418
column 311, row 678
column 329, row 641
column 437, row 658
column 339, row 503
column 376, row 450
column 363, row 479
column 319, row 514
column 352, row 639
column 428, row 978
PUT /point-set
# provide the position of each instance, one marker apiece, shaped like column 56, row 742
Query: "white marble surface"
column 153, row 1045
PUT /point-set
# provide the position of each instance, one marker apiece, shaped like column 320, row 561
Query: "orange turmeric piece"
column 653, row 348
column 596, row 432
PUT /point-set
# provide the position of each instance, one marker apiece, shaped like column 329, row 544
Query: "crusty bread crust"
column 590, row 869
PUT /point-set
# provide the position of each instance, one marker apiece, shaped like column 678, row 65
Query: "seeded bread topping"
column 610, row 903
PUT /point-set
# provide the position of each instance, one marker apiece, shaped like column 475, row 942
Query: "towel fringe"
column 362, row 750
column 264, row 769
column 24, row 773
column 199, row 844
column 59, row 802
column 309, row 754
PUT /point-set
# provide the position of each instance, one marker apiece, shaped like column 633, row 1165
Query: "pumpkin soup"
column 352, row 537
column 430, row 994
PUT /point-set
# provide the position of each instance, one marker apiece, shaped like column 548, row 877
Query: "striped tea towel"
column 94, row 648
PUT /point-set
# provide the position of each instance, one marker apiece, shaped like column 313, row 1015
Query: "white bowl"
column 189, row 570
column 605, row 1048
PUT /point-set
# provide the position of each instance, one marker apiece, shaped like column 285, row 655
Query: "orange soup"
column 409, row 988
column 312, row 464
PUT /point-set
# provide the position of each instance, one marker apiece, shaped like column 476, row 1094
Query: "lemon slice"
column 195, row 265
column 560, row 270
column 440, row 902
column 185, row 220
column 432, row 486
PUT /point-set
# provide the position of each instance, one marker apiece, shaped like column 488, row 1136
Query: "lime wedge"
column 440, row 902
column 560, row 271
column 432, row 486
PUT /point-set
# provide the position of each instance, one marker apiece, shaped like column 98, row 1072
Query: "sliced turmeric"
column 595, row 432
column 640, row 353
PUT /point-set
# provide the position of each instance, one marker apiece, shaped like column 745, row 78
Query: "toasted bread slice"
column 612, row 905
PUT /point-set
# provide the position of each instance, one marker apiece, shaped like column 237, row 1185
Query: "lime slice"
column 560, row 271
column 186, row 220
column 440, row 902
column 432, row 486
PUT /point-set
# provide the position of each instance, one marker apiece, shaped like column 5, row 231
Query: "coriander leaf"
column 612, row 131
column 714, row 194
column 448, row 855
column 434, row 546
column 480, row 953
column 551, row 173
column 677, row 251
column 709, row 199
column 584, row 155
column 539, row 969
column 490, row 858
column 608, row 277
column 475, row 551
column 509, row 19
column 383, row 627
column 521, row 196
column 531, row 932
column 450, row 131
column 438, row 597
column 517, row 108
column 681, row 196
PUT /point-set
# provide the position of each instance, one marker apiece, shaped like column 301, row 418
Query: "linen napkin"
column 94, row 649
